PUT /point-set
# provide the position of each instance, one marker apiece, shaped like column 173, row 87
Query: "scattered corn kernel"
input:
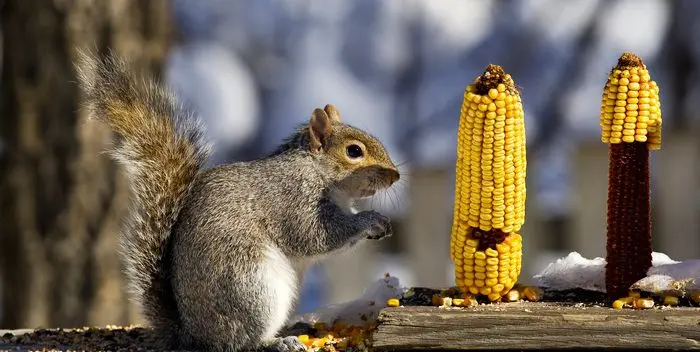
column 531, row 293
column 513, row 296
column 623, row 302
column 618, row 304
column 643, row 303
column 437, row 300
column 695, row 296
column 319, row 342
column 671, row 300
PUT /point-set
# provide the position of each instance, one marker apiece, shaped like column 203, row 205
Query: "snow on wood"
column 575, row 271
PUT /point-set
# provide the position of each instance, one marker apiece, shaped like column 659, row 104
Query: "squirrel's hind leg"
column 240, row 307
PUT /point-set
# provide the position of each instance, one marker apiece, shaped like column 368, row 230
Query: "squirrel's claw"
column 285, row 344
column 380, row 228
column 380, row 234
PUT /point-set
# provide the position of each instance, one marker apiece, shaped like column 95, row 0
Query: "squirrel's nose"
column 393, row 176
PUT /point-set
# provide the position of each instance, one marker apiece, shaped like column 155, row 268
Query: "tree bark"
column 62, row 199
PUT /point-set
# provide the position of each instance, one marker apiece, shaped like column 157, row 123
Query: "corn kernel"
column 513, row 296
column 532, row 294
column 695, row 296
column 670, row 301
column 319, row 342
column 495, row 296
column 618, row 304
column 643, row 303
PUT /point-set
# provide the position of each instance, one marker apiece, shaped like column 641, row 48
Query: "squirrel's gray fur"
column 215, row 256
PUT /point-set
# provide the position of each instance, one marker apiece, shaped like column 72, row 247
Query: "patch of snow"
column 361, row 311
column 573, row 271
column 659, row 260
column 576, row 271
column 398, row 265
column 671, row 276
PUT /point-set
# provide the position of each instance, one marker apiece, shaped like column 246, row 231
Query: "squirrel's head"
column 359, row 161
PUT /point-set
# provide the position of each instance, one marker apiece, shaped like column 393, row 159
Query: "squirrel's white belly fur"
column 282, row 283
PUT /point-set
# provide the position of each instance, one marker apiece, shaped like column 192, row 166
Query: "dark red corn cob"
column 631, row 124
column 629, row 213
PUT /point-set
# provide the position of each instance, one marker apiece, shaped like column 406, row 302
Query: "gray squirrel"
column 215, row 256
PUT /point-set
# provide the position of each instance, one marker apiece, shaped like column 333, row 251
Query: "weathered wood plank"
column 536, row 326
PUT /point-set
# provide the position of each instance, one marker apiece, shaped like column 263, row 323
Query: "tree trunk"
column 61, row 198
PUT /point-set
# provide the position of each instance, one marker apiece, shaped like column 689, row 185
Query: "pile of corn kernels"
column 453, row 298
column 338, row 337
column 635, row 300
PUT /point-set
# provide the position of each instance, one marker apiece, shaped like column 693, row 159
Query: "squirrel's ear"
column 332, row 112
column 319, row 130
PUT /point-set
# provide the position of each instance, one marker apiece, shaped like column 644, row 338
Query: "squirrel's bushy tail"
column 162, row 149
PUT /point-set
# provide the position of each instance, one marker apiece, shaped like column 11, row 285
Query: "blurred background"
column 255, row 69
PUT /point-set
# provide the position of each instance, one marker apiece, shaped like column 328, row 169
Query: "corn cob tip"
column 630, row 106
column 629, row 59
column 492, row 77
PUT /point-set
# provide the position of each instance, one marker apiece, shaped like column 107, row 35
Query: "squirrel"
column 215, row 256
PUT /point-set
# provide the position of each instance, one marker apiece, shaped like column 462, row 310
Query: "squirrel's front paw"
column 285, row 344
column 379, row 226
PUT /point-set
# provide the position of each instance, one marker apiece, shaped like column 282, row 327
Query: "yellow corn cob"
column 489, row 206
column 630, row 108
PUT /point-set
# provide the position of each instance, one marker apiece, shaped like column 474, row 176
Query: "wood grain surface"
column 540, row 326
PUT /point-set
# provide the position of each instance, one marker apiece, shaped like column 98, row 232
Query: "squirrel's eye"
column 354, row 151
